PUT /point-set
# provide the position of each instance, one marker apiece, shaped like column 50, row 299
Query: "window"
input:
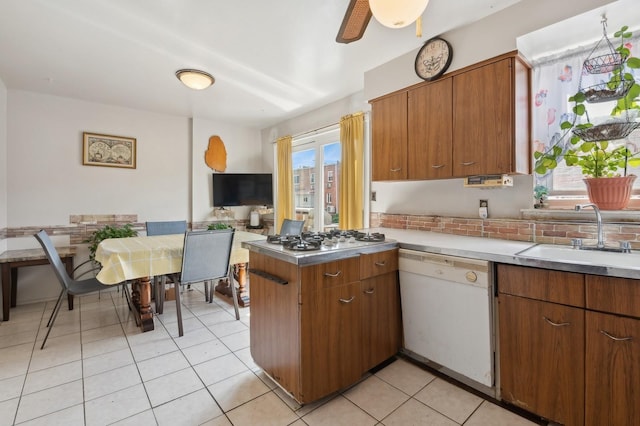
column 555, row 80
column 317, row 157
column 296, row 179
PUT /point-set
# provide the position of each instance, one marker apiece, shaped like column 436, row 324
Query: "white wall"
column 244, row 155
column 3, row 161
column 47, row 181
column 484, row 39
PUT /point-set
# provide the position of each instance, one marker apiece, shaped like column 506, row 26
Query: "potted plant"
column 218, row 225
column 108, row 232
column 540, row 194
column 589, row 145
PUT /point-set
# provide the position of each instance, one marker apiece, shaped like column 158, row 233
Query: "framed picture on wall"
column 108, row 151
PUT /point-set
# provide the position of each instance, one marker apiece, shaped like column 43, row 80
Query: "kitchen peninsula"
column 323, row 316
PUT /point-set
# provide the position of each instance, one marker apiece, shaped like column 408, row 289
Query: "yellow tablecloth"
column 136, row 257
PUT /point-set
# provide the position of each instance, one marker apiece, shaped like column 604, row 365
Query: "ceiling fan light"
column 397, row 13
column 195, row 79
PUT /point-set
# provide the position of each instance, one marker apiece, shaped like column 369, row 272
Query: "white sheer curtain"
column 555, row 79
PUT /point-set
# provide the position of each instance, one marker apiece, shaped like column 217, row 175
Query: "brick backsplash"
column 81, row 226
column 534, row 231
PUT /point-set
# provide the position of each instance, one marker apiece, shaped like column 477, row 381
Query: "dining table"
column 138, row 259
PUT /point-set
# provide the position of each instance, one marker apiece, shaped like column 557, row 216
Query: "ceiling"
column 272, row 60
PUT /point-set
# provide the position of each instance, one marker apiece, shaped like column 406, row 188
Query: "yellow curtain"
column 284, row 206
column 351, row 178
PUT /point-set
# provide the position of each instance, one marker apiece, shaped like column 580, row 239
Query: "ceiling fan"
column 390, row 13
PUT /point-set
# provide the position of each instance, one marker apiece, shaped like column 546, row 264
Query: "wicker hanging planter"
column 610, row 193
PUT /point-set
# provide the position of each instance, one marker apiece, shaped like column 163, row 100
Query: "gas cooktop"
column 310, row 241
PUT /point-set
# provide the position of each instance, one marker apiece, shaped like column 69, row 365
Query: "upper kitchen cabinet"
column 491, row 118
column 430, row 123
column 475, row 121
column 389, row 137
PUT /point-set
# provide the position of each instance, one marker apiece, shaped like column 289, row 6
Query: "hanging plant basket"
column 610, row 193
column 603, row 93
column 603, row 64
column 606, row 131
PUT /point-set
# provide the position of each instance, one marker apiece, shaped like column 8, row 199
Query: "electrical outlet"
column 483, row 211
column 373, row 195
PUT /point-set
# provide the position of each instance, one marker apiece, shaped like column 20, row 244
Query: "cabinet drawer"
column 614, row 295
column 330, row 274
column 566, row 288
column 374, row 264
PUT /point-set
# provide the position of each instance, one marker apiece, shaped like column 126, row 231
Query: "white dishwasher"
column 447, row 315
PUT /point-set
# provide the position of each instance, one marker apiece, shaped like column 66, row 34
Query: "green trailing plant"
column 597, row 158
column 218, row 225
column 108, row 232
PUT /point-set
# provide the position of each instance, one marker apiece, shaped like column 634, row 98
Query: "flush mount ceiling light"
column 195, row 79
column 397, row 13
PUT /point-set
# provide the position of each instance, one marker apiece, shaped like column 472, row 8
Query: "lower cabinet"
column 330, row 338
column 613, row 370
column 570, row 345
column 381, row 328
column 542, row 358
column 328, row 324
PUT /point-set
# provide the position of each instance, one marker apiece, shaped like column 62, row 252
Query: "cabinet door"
column 331, row 340
column 275, row 329
column 389, row 137
column 612, row 370
column 542, row 358
column 483, row 141
column 381, row 328
column 430, row 131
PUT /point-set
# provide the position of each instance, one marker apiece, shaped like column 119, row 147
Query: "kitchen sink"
column 567, row 254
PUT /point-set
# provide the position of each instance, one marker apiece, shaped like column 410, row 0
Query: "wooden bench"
column 11, row 260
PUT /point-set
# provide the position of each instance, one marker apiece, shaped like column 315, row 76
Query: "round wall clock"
column 433, row 58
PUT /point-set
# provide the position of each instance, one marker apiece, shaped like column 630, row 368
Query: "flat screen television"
column 242, row 189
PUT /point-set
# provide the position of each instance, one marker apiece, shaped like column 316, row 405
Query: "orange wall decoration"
column 216, row 154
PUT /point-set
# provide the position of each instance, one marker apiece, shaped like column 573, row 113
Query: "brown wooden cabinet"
column 570, row 345
column 430, row 127
column 474, row 121
column 613, row 351
column 542, row 358
column 490, row 119
column 542, row 343
column 389, row 137
column 325, row 327
column 381, row 318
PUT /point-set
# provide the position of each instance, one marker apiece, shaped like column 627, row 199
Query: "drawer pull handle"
column 269, row 277
column 384, row 262
column 617, row 339
column 437, row 166
column 555, row 324
column 468, row 163
column 396, row 170
column 370, row 291
column 349, row 300
column 328, row 274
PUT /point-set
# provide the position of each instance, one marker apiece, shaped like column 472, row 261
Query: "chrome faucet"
column 600, row 244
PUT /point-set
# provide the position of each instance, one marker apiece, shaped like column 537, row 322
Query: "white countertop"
column 505, row 251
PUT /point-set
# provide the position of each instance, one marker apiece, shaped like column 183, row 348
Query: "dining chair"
column 291, row 227
column 68, row 284
column 205, row 257
column 168, row 227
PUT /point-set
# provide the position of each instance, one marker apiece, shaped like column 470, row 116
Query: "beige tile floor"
column 99, row 369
